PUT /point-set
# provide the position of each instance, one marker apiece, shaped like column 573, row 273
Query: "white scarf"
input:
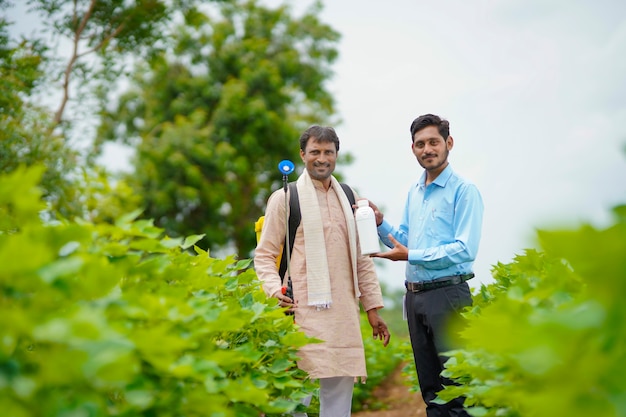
column 318, row 276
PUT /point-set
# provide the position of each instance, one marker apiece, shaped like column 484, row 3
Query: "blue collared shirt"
column 441, row 227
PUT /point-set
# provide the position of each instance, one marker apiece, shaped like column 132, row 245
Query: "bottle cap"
column 363, row 203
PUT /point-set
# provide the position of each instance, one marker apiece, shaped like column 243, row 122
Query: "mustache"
column 321, row 164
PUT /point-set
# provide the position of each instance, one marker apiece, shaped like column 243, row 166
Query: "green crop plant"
column 120, row 320
column 548, row 337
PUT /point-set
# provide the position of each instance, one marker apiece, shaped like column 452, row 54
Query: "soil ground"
column 398, row 400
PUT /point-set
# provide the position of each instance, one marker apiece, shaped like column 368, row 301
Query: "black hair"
column 425, row 120
column 322, row 134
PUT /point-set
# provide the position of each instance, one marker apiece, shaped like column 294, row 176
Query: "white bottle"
column 366, row 228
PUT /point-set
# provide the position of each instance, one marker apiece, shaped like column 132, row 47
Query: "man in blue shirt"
column 438, row 236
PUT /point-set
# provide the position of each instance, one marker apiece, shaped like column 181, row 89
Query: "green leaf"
column 191, row 240
column 243, row 390
column 128, row 218
column 141, row 399
column 148, row 245
column 61, row 268
column 171, row 243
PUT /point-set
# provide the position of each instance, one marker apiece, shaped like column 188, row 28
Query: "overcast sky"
column 535, row 92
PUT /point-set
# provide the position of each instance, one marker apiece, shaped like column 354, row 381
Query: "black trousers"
column 429, row 313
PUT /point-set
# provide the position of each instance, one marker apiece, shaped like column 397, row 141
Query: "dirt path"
column 399, row 401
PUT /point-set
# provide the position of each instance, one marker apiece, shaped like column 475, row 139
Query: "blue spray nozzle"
column 286, row 167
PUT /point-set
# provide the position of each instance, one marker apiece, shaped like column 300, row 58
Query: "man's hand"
column 379, row 215
column 379, row 327
column 399, row 252
column 285, row 301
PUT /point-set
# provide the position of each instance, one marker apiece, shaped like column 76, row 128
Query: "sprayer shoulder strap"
column 294, row 220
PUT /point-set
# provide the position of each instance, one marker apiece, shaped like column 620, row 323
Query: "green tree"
column 25, row 126
column 97, row 38
column 102, row 35
column 213, row 115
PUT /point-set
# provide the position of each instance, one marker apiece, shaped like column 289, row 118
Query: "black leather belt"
column 437, row 283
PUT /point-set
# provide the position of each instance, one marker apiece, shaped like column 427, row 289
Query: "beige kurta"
column 342, row 352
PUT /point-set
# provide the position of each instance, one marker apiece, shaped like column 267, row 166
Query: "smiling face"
column 319, row 158
column 431, row 150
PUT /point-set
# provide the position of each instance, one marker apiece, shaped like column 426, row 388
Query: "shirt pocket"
column 440, row 224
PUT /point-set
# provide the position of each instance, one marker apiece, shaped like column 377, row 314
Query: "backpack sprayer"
column 286, row 167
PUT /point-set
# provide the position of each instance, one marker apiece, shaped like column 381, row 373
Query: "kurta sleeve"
column 270, row 245
column 371, row 294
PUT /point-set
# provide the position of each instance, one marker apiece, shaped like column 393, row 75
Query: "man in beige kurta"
column 342, row 353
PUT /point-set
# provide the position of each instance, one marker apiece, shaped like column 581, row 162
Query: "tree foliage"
column 25, row 133
column 212, row 115
column 102, row 35
column 51, row 79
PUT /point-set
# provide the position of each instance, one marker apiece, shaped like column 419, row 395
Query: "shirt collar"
column 441, row 180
